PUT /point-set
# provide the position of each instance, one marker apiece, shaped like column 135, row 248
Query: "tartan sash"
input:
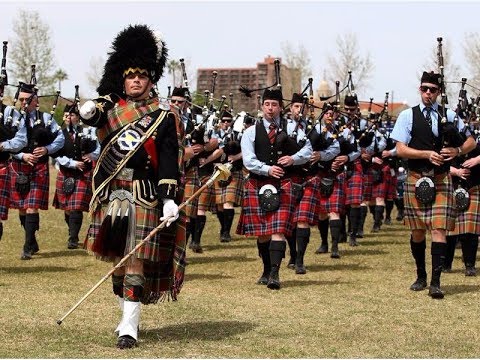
column 119, row 150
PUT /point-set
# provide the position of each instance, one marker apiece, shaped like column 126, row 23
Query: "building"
column 229, row 80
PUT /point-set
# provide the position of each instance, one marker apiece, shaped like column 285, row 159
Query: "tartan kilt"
column 335, row 203
column 380, row 190
column 391, row 187
column 206, row 199
column 468, row 221
column 256, row 222
column 233, row 192
column 82, row 194
column 307, row 210
column 4, row 190
column 37, row 197
column 192, row 184
column 354, row 185
column 157, row 252
column 440, row 215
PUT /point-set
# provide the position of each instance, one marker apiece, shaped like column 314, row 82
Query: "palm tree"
column 60, row 75
column 173, row 66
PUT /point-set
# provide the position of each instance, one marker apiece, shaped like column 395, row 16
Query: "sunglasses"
column 350, row 109
column 226, row 120
column 433, row 89
column 173, row 101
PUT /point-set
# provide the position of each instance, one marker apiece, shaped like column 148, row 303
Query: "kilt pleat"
column 335, row 203
column 233, row 192
column 37, row 197
column 354, row 185
column 392, row 188
column 192, row 184
column 206, row 199
column 380, row 190
column 80, row 198
column 307, row 209
column 440, row 215
column 468, row 221
column 4, row 190
column 256, row 222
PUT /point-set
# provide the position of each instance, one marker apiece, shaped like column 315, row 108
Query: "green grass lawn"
column 358, row 306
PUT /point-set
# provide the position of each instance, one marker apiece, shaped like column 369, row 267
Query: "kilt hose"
column 254, row 221
column 307, row 209
column 233, row 192
column 192, row 184
column 4, row 190
column 162, row 278
column 335, row 203
column 468, row 221
column 207, row 197
column 37, row 197
column 379, row 190
column 440, row 215
column 82, row 194
column 354, row 185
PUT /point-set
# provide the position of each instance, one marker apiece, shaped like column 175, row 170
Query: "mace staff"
column 222, row 172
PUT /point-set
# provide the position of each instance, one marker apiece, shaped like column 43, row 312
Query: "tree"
column 32, row 46
column 174, row 68
column 297, row 58
column 60, row 75
column 95, row 73
column 451, row 71
column 349, row 59
column 471, row 48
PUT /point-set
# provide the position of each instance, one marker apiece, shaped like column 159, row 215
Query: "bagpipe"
column 8, row 127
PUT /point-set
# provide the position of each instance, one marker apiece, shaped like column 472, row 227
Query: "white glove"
column 170, row 211
column 88, row 109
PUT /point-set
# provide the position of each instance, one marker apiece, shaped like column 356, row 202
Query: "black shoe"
column 72, row 245
column 435, row 292
column 399, row 218
column 225, row 237
column 335, row 254
column 196, row 248
column 126, row 342
column 263, row 280
column 419, row 285
column 322, row 249
column 375, row 229
column 35, row 248
column 470, row 271
column 353, row 242
column 360, row 234
column 388, row 221
column 300, row 269
column 291, row 264
column 273, row 281
column 26, row 255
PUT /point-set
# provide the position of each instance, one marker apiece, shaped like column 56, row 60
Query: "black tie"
column 428, row 116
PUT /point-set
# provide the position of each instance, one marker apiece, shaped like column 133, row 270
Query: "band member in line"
column 268, row 203
column 428, row 194
column 73, row 190
column 136, row 179
column 30, row 181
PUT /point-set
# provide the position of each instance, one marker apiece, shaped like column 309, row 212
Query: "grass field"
column 358, row 306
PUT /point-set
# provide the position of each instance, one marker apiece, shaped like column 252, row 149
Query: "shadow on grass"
column 227, row 246
column 339, row 266
column 33, row 269
column 216, row 259
column 203, row 330
column 359, row 251
column 369, row 242
column 63, row 253
column 300, row 283
column 190, row 277
column 459, row 289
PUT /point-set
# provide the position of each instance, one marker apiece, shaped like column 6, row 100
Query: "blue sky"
column 398, row 35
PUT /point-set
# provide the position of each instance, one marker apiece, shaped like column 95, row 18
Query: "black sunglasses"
column 173, row 101
column 433, row 89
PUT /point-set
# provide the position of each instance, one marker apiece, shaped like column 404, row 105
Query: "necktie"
column 428, row 116
column 272, row 133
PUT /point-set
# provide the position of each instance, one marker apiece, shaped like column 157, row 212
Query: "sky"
column 399, row 36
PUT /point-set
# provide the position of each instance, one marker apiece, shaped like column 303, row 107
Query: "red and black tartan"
column 380, row 189
column 354, row 185
column 233, row 192
column 468, row 221
column 391, row 187
column 4, row 189
column 440, row 215
column 80, row 198
column 307, row 210
column 192, row 184
column 335, row 203
column 256, row 222
column 37, row 197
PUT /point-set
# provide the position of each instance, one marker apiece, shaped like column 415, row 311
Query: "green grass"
column 358, row 306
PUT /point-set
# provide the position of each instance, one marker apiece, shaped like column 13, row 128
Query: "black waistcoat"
column 423, row 139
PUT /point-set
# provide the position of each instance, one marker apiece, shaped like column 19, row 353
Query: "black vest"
column 423, row 139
